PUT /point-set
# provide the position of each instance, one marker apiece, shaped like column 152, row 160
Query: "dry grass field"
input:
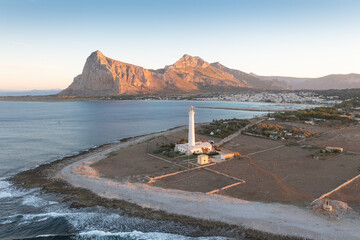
column 273, row 170
column 133, row 162
column 247, row 144
column 348, row 138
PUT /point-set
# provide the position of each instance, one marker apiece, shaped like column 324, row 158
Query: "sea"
column 34, row 133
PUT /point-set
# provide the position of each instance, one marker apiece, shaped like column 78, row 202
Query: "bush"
column 171, row 154
column 212, row 153
column 182, row 141
column 224, row 127
column 157, row 151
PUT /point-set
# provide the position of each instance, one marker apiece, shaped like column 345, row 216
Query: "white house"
column 334, row 149
column 226, row 155
column 203, row 159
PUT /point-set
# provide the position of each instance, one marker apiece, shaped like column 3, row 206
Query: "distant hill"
column 30, row 92
column 333, row 81
column 103, row 76
column 252, row 80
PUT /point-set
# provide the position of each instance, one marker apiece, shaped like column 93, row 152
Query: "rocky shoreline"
column 44, row 177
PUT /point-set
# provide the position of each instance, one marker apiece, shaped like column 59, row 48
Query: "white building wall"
column 191, row 135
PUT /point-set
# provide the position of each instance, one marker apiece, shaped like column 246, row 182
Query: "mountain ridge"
column 331, row 81
column 104, row 76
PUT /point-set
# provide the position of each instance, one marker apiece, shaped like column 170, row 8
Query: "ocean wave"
column 92, row 223
column 7, row 190
column 30, row 217
column 4, row 184
column 5, row 194
column 137, row 235
column 79, row 220
column 47, row 235
column 95, row 225
column 36, row 201
column 40, row 217
column 6, row 222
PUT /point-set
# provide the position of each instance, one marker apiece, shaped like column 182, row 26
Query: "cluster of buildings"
column 200, row 148
column 281, row 97
column 191, row 146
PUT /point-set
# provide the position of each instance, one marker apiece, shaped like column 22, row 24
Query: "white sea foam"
column 28, row 218
column 4, row 189
column 7, row 191
column 36, row 201
column 46, row 235
column 78, row 220
column 31, row 217
column 4, row 184
column 97, row 234
column 42, row 219
column 94, row 225
column 6, row 221
column 91, row 220
column 4, row 194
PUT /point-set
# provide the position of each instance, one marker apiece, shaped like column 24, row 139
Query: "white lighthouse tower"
column 191, row 146
column 191, row 136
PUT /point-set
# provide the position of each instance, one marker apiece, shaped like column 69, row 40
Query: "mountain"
column 252, row 80
column 333, row 81
column 103, row 76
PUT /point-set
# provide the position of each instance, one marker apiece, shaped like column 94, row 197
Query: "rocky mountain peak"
column 97, row 54
column 190, row 61
column 96, row 57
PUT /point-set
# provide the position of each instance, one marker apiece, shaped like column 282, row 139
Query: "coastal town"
column 302, row 97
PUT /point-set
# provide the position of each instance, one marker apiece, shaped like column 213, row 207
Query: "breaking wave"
column 137, row 235
column 36, row 201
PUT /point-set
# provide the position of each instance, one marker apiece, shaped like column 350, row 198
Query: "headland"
column 275, row 199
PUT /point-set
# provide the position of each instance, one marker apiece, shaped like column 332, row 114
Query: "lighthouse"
column 191, row 146
column 191, row 135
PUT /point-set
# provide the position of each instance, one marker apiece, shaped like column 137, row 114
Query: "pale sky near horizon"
column 44, row 44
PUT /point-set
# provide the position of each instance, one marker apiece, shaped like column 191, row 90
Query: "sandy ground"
column 199, row 180
column 121, row 166
column 268, row 217
column 349, row 194
column 247, row 144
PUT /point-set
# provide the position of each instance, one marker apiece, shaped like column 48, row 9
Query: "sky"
column 44, row 43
